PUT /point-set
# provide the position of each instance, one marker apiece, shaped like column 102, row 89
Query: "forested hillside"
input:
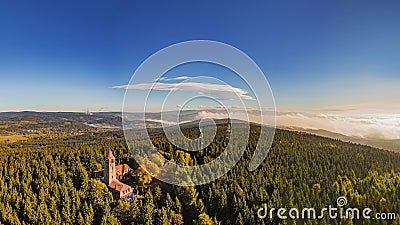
column 49, row 181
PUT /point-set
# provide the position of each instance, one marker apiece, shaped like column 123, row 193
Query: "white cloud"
column 175, row 78
column 360, row 125
column 240, row 114
column 179, row 78
column 367, row 126
column 207, row 114
column 221, row 91
column 165, row 122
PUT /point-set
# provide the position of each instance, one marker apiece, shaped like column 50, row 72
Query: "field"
column 13, row 138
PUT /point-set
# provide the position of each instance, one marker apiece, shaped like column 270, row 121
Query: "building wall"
column 110, row 173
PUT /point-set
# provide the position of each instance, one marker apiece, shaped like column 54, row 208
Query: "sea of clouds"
column 361, row 125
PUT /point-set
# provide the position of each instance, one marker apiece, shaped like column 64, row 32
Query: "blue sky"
column 66, row 55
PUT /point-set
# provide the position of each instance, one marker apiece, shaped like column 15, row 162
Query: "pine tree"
column 203, row 219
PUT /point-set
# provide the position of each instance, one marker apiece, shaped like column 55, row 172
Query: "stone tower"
column 110, row 173
column 228, row 127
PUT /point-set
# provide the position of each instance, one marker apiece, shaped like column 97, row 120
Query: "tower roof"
column 110, row 155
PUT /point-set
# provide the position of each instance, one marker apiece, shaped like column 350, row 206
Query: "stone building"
column 113, row 176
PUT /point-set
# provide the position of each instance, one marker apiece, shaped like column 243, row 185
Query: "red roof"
column 122, row 169
column 119, row 186
column 110, row 155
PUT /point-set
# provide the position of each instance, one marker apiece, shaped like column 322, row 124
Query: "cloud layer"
column 175, row 78
column 367, row 126
column 221, row 91
column 360, row 125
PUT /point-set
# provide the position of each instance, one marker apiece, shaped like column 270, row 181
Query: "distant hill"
column 393, row 145
column 187, row 118
column 109, row 119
